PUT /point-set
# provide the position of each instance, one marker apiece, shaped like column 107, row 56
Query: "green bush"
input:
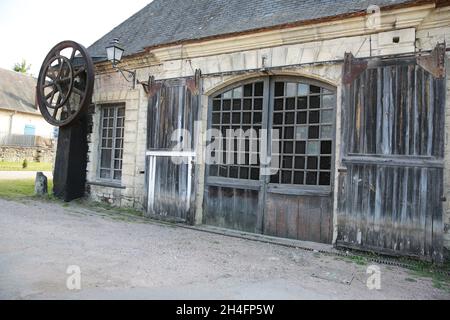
column 25, row 164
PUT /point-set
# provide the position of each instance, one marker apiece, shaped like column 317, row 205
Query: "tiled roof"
column 169, row 21
column 17, row 92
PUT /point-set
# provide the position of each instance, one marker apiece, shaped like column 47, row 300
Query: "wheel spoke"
column 72, row 56
column 51, row 93
column 77, row 73
column 78, row 91
column 60, row 91
column 55, row 113
column 48, row 85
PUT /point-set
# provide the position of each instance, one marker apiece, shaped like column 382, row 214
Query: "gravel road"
column 128, row 258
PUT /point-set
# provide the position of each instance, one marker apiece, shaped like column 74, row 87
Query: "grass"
column 427, row 270
column 32, row 166
column 19, row 189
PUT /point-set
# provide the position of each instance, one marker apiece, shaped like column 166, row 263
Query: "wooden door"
column 391, row 184
column 299, row 197
column 296, row 201
column 173, row 105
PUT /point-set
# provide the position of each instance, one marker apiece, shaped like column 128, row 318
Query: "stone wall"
column 32, row 154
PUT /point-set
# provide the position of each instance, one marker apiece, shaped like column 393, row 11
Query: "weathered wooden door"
column 391, row 185
column 173, row 106
column 295, row 199
column 299, row 197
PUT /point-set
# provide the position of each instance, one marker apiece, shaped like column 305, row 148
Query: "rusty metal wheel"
column 65, row 83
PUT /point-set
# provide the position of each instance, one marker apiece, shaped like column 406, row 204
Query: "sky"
column 30, row 28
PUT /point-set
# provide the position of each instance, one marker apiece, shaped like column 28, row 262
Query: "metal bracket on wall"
column 353, row 67
column 151, row 87
column 435, row 62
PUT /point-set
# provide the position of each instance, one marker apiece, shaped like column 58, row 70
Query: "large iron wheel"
column 65, row 83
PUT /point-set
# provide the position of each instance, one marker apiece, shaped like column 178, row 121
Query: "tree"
column 22, row 67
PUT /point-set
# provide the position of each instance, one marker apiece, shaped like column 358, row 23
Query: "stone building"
column 356, row 91
column 24, row 134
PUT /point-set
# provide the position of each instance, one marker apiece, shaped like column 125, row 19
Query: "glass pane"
column 237, row 93
column 289, row 133
column 326, row 147
column 279, row 89
column 237, row 104
column 244, row 173
column 300, row 147
column 301, row 133
column 254, row 174
column 302, row 103
column 299, row 177
column 314, row 89
column 257, row 118
column 311, row 178
column 314, row 117
column 121, row 112
column 287, row 162
column 325, row 163
column 326, row 132
column 228, row 95
column 117, row 175
column 278, row 118
column 325, row 179
column 329, row 101
column 106, row 158
column 312, row 163
column 314, row 148
column 290, row 118
column 286, row 177
column 226, row 105
column 288, row 148
column 279, row 104
column 248, row 90
column 259, row 89
column 327, row 116
column 302, row 117
column 216, row 105
column 300, row 163
column 290, row 104
column 105, row 174
column 303, row 89
column 313, row 132
column 247, row 104
column 314, row 102
column 291, row 90
column 258, row 104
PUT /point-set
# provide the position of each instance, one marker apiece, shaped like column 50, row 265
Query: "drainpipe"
column 11, row 118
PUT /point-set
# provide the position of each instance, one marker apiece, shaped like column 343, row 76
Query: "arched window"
column 301, row 111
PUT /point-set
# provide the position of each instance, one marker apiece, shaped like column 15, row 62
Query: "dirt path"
column 127, row 259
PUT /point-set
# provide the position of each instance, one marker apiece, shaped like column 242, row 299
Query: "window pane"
column 237, row 93
column 228, row 95
column 259, row 89
column 303, row 89
column 291, row 90
column 106, row 158
column 326, row 132
column 279, row 89
column 248, row 90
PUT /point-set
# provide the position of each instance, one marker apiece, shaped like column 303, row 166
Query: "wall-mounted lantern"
column 115, row 53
